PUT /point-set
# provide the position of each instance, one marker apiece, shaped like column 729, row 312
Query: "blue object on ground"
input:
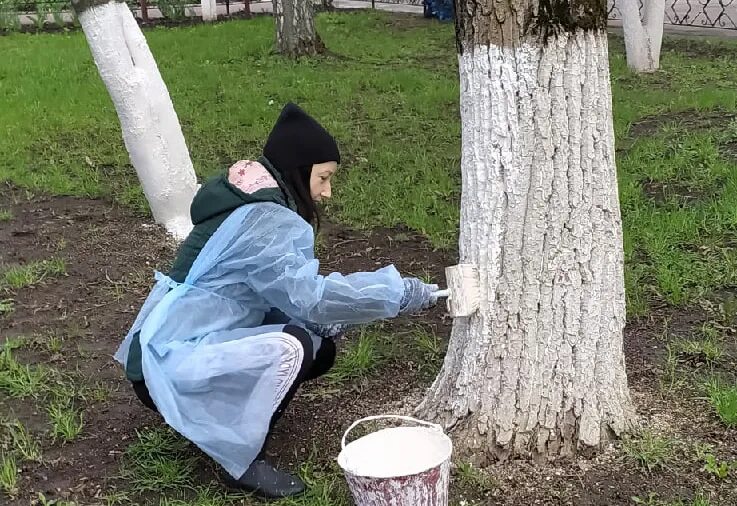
column 443, row 10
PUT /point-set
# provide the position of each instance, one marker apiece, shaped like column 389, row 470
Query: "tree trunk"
column 539, row 371
column 643, row 37
column 149, row 124
column 209, row 10
column 144, row 10
column 295, row 29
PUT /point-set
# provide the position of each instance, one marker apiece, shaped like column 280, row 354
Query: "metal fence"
column 42, row 14
column 30, row 6
column 701, row 13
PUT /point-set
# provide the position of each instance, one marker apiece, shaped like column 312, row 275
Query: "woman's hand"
column 417, row 296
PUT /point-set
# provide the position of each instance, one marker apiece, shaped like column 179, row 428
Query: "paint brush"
column 463, row 293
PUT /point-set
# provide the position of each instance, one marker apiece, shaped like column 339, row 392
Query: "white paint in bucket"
column 402, row 466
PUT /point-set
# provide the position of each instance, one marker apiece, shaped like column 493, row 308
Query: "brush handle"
column 441, row 293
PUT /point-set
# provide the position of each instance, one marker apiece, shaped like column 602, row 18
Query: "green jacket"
column 211, row 206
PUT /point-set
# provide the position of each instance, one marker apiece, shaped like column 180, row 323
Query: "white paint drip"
column 400, row 451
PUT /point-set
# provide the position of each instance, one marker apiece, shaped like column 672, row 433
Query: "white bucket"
column 402, row 466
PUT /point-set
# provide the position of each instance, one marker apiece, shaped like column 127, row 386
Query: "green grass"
column 21, row 380
column 45, row 383
column 16, row 438
column 22, row 276
column 715, row 467
column 52, row 344
column 161, row 462
column 379, row 96
column 724, row 400
column 7, row 306
column 390, row 94
column 359, row 359
column 42, row 500
column 66, row 421
column 5, row 215
column 473, row 478
column 429, row 349
column 649, row 450
column 707, row 347
column 8, row 475
column 158, row 462
column 325, row 487
column 652, row 499
column 375, row 347
column 671, row 380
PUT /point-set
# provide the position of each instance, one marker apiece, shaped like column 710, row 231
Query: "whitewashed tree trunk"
column 295, row 28
column 643, row 37
column 539, row 371
column 209, row 10
column 150, row 126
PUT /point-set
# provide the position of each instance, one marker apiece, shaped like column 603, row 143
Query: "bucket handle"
column 384, row 417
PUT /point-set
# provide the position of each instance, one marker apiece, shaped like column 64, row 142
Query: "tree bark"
column 209, row 10
column 144, row 10
column 149, row 123
column 295, row 29
column 643, row 37
column 539, row 370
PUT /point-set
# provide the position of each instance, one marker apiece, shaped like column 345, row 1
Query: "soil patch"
column 110, row 254
column 697, row 47
column 679, row 193
column 688, row 120
column 729, row 150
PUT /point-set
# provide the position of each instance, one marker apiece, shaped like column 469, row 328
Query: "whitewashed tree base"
column 209, row 10
column 149, row 123
column 643, row 37
column 539, row 370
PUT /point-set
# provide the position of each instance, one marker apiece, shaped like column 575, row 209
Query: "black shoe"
column 265, row 480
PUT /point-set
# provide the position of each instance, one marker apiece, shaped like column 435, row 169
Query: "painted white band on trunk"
column 540, row 367
column 149, row 124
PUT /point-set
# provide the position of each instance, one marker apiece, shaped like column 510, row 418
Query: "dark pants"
column 311, row 368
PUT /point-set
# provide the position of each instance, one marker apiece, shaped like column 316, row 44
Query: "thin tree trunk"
column 144, row 10
column 209, row 10
column 539, row 371
column 643, row 38
column 295, row 29
column 149, row 123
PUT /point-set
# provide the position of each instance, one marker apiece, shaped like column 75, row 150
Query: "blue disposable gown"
column 210, row 375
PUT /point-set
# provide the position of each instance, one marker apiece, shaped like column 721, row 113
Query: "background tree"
column 643, row 36
column 209, row 10
column 295, row 28
column 151, row 130
column 539, row 371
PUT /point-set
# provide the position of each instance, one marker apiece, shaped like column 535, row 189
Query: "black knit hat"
column 298, row 140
